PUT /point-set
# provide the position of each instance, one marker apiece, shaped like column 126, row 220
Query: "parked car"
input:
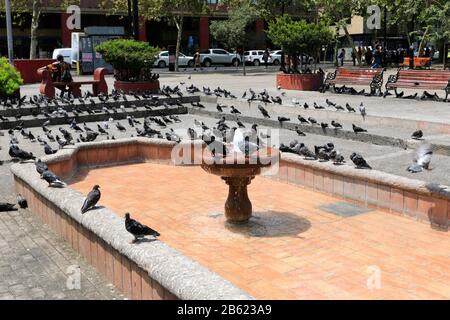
column 65, row 52
column 255, row 57
column 219, row 56
column 162, row 60
column 276, row 58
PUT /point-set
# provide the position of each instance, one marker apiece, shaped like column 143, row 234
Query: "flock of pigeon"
column 216, row 138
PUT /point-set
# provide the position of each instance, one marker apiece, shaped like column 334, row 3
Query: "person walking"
column 377, row 56
column 265, row 58
column 353, row 58
column 341, row 57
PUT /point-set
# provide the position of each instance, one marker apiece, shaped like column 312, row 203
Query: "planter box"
column 304, row 82
column 126, row 86
column 15, row 95
column 28, row 68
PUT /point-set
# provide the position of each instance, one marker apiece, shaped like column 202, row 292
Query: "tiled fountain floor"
column 291, row 249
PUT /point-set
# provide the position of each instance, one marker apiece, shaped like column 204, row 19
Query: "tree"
column 298, row 37
column 423, row 19
column 233, row 31
column 341, row 13
column 173, row 11
column 19, row 7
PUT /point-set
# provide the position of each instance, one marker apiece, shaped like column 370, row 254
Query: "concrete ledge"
column 398, row 195
column 149, row 270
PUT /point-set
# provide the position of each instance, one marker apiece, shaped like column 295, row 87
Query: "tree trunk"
column 350, row 40
column 179, row 23
column 34, row 27
column 243, row 61
column 422, row 43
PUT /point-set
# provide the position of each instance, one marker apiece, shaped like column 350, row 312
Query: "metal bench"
column 47, row 86
column 420, row 79
column 355, row 76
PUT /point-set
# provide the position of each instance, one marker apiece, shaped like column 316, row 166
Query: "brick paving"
column 35, row 263
column 291, row 249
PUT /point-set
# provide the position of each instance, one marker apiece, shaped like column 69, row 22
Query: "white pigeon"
column 422, row 159
column 362, row 110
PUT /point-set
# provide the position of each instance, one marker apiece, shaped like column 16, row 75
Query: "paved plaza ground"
column 293, row 248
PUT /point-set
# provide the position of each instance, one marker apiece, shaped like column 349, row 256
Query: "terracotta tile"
column 397, row 200
column 328, row 183
column 384, row 197
column 291, row 173
column 349, row 187
column 424, row 207
column 158, row 291
column 147, row 287
column 82, row 157
column 126, row 277
column 117, row 257
column 338, row 186
column 283, row 171
column 410, row 204
column 318, row 180
column 109, row 263
column 439, row 213
column 309, row 178
column 136, row 289
column 300, row 175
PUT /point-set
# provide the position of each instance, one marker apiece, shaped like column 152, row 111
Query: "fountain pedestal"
column 238, row 207
column 238, row 171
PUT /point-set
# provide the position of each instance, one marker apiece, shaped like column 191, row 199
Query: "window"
column 219, row 52
column 164, row 54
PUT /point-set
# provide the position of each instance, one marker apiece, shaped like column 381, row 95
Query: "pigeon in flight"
column 138, row 230
column 422, row 159
column 91, row 200
column 359, row 161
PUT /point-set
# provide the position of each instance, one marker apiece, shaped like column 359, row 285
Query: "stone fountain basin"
column 238, row 170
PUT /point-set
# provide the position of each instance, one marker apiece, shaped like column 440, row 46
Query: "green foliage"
column 10, row 79
column 299, row 36
column 131, row 59
column 232, row 32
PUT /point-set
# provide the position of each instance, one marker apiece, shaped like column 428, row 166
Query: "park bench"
column 47, row 86
column 355, row 76
column 419, row 79
column 419, row 62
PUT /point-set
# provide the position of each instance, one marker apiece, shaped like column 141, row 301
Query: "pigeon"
column 52, row 180
column 302, row 120
column 417, row 135
column 41, row 167
column 359, row 161
column 349, row 108
column 137, row 229
column 263, row 111
column 22, row 202
column 299, row 132
column 357, row 129
column 324, row 125
column 330, row 104
column 312, row 120
column 5, row 206
column 234, row 110
column 16, row 152
column 48, row 150
column 91, row 200
column 422, row 159
column 283, row 119
column 216, row 147
column 362, row 110
column 120, row 127
column 336, row 125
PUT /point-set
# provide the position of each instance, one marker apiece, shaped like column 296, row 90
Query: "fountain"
column 238, row 170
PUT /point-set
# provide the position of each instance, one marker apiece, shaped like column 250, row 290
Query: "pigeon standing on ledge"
column 137, row 229
column 91, row 200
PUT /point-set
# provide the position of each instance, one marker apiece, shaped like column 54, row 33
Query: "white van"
column 65, row 52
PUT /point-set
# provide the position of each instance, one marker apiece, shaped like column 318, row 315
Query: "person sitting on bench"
column 60, row 71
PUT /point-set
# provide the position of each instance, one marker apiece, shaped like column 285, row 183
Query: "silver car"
column 162, row 60
column 219, row 56
column 276, row 58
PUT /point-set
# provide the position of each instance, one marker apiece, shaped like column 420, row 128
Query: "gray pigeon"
column 91, row 200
